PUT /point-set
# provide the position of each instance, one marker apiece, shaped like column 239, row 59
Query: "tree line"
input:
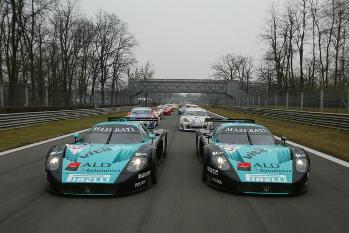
column 306, row 48
column 49, row 44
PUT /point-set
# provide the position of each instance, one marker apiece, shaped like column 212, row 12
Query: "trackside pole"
column 2, row 104
column 348, row 101
column 46, row 96
column 26, row 96
column 322, row 100
column 287, row 100
column 302, row 96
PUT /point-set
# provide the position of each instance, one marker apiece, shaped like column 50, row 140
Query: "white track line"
column 39, row 143
column 315, row 152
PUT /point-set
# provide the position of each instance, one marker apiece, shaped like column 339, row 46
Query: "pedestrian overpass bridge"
column 205, row 86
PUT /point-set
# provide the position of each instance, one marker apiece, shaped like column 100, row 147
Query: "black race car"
column 115, row 157
column 244, row 157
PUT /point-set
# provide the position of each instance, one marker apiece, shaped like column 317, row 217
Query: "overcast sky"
column 182, row 38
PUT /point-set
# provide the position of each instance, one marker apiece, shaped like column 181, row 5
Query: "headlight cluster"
column 137, row 164
column 302, row 165
column 220, row 162
column 52, row 163
column 185, row 120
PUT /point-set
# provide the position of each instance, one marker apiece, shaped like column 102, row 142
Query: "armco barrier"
column 331, row 120
column 14, row 120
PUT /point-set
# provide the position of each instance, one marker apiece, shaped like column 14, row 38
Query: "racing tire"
column 154, row 173
column 197, row 144
column 203, row 174
column 165, row 146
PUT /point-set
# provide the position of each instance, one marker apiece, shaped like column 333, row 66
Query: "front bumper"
column 126, row 183
column 225, row 180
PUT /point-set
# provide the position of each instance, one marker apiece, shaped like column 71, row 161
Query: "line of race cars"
column 122, row 155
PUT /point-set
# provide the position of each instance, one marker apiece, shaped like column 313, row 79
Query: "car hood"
column 260, row 163
column 140, row 115
column 196, row 119
column 95, row 163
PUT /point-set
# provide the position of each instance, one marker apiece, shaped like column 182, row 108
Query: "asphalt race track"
column 180, row 202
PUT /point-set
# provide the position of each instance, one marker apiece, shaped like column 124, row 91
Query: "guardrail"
column 15, row 120
column 330, row 120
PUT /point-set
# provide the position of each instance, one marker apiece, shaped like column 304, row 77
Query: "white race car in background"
column 185, row 107
column 194, row 118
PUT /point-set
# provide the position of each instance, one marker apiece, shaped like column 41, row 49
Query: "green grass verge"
column 12, row 138
column 330, row 141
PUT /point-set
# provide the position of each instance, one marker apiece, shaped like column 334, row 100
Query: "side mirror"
column 77, row 137
column 283, row 140
column 152, row 136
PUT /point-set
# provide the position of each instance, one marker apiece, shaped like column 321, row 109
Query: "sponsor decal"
column 140, row 154
column 118, row 129
column 230, row 148
column 212, row 171
column 266, row 165
column 83, row 178
column 270, row 168
column 74, row 149
column 143, row 175
column 73, row 166
column 98, row 168
column 254, row 153
column 96, row 165
column 244, row 166
column 299, row 155
column 245, row 130
column 262, row 178
column 217, row 180
column 139, row 184
column 56, row 152
column 215, row 153
column 97, row 151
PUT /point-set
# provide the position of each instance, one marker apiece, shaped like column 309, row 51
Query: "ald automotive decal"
column 269, row 163
column 97, row 163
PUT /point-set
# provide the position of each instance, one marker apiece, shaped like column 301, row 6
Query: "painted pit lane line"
column 315, row 152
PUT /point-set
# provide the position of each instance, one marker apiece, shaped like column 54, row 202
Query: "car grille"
column 264, row 188
column 89, row 189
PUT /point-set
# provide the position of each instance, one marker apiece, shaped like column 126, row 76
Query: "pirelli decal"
column 262, row 178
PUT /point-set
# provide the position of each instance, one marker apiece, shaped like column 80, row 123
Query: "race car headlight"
column 137, row 164
column 301, row 165
column 52, row 163
column 185, row 120
column 220, row 162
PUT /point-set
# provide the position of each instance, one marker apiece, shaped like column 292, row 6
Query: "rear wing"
column 218, row 121
column 132, row 119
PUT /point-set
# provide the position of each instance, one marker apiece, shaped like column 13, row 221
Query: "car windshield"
column 141, row 112
column 195, row 113
column 113, row 134
column 246, row 135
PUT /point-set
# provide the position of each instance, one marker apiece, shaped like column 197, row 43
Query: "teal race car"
column 115, row 157
column 241, row 156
